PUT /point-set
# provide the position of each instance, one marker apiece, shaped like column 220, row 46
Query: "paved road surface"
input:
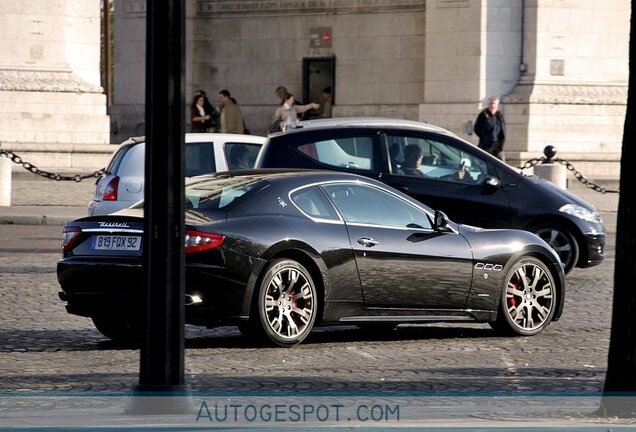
column 42, row 348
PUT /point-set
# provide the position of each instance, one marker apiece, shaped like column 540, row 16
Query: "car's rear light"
column 70, row 235
column 110, row 193
column 196, row 241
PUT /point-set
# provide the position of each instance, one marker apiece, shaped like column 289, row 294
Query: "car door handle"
column 401, row 188
column 367, row 242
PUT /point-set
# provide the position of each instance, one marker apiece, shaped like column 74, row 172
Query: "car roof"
column 199, row 137
column 275, row 174
column 291, row 177
column 372, row 122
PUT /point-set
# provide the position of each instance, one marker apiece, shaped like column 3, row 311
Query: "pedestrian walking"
column 326, row 102
column 231, row 118
column 286, row 116
column 283, row 95
column 490, row 127
column 203, row 116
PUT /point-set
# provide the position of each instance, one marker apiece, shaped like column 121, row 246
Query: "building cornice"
column 595, row 94
column 43, row 79
column 207, row 8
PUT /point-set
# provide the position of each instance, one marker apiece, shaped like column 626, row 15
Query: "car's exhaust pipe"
column 192, row 299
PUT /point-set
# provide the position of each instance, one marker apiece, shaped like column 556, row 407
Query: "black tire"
column 118, row 329
column 528, row 299
column 287, row 304
column 251, row 331
column 562, row 241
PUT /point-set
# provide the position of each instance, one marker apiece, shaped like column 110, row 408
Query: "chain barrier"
column 53, row 176
column 577, row 174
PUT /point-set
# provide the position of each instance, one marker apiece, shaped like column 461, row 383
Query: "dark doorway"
column 318, row 73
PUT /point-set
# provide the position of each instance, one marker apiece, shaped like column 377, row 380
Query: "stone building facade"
column 50, row 93
column 559, row 66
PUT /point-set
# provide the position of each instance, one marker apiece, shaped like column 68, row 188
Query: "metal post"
column 162, row 352
column 5, row 181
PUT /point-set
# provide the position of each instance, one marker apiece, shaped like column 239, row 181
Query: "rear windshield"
column 221, row 193
column 115, row 162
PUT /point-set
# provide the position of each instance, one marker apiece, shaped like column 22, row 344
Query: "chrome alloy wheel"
column 288, row 303
column 530, row 297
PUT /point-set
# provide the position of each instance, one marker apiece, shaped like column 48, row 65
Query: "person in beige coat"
column 231, row 119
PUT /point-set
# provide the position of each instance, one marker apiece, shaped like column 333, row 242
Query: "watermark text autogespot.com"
column 296, row 413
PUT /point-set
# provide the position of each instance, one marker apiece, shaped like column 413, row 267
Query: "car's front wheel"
column 528, row 298
column 287, row 302
column 562, row 241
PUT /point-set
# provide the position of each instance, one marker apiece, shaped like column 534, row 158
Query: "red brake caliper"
column 512, row 302
column 292, row 294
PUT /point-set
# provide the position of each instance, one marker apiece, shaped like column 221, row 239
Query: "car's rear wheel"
column 118, row 329
column 287, row 302
column 528, row 298
column 562, row 241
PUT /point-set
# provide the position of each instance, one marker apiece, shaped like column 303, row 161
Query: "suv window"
column 351, row 152
column 433, row 159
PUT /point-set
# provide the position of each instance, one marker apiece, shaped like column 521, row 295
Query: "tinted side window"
column 314, row 203
column 369, row 205
column 199, row 158
column 241, row 155
column 433, row 159
column 351, row 152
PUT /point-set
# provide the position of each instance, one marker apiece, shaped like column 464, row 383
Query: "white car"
column 123, row 183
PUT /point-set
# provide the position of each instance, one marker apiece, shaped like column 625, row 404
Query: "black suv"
column 445, row 172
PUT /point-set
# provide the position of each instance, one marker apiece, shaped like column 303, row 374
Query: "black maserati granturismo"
column 278, row 252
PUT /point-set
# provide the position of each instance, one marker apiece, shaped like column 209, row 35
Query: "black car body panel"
column 517, row 201
column 363, row 271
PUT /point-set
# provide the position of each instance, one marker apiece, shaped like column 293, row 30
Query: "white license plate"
column 117, row 243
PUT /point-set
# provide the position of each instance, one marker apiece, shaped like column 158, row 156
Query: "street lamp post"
column 162, row 352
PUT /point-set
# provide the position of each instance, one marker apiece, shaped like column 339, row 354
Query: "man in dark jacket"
column 490, row 127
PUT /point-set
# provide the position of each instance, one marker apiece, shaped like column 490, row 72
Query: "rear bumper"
column 91, row 287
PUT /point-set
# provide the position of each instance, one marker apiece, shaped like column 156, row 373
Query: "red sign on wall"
column 320, row 37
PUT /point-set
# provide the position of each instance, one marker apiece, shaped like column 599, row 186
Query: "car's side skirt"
column 460, row 316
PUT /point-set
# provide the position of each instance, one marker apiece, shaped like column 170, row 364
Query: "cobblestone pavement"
column 40, row 191
column 44, row 348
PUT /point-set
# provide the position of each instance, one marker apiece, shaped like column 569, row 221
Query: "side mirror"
column 492, row 183
column 441, row 221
